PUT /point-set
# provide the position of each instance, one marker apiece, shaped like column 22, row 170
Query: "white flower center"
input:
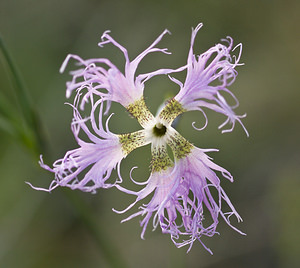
column 158, row 134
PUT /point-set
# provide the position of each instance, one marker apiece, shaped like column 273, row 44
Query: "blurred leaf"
column 31, row 138
column 6, row 126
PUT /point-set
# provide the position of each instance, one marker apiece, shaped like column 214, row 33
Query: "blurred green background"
column 46, row 230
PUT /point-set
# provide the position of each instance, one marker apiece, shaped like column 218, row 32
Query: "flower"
column 188, row 199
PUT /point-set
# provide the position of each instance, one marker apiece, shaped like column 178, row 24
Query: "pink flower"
column 188, row 199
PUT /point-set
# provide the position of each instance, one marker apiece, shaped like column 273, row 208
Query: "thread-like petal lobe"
column 89, row 166
column 208, row 77
column 187, row 200
column 101, row 77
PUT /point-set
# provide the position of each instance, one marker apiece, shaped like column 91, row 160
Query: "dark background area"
column 44, row 230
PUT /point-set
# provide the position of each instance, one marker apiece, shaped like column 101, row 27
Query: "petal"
column 88, row 167
column 95, row 160
column 183, row 196
column 107, row 80
column 209, row 75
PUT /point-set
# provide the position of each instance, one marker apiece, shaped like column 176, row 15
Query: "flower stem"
column 34, row 141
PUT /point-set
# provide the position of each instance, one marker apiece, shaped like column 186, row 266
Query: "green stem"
column 13, row 125
column 29, row 114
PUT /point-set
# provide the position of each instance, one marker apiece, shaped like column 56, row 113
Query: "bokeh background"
column 49, row 230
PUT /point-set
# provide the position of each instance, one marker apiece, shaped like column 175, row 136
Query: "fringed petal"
column 88, row 167
column 107, row 80
column 208, row 75
column 187, row 200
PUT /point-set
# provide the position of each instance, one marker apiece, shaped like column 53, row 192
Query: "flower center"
column 159, row 130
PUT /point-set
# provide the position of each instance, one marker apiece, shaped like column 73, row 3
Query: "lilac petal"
column 96, row 158
column 150, row 49
column 107, row 81
column 172, row 205
column 217, row 66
